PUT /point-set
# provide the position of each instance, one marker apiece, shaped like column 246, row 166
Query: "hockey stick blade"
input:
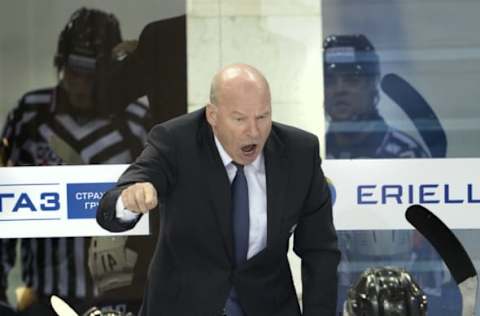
column 419, row 111
column 60, row 307
column 443, row 240
column 451, row 250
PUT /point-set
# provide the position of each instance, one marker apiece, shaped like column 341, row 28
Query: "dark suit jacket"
column 192, row 270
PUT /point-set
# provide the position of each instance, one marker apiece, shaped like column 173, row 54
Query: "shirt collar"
column 257, row 164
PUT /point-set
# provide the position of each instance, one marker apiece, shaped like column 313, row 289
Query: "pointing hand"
column 140, row 197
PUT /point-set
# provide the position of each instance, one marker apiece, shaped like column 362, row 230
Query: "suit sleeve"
column 315, row 242
column 156, row 164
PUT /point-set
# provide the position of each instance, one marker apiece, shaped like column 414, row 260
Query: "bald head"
column 239, row 111
column 241, row 78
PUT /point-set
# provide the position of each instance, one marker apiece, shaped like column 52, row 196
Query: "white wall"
column 280, row 37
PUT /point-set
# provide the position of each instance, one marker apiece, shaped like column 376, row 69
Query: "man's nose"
column 85, row 82
column 253, row 130
column 338, row 85
column 82, row 79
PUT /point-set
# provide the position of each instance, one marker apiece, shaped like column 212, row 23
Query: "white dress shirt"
column 257, row 199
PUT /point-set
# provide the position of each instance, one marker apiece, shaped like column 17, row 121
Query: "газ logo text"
column 29, row 202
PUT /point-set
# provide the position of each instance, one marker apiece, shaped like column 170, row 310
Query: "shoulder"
column 185, row 122
column 180, row 128
column 33, row 102
column 155, row 33
column 155, row 26
column 293, row 137
column 36, row 98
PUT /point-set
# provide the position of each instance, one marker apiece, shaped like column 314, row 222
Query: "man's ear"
column 211, row 113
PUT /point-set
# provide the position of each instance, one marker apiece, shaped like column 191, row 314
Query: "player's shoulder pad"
column 34, row 101
column 37, row 97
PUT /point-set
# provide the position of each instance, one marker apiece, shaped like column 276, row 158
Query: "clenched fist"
column 140, row 197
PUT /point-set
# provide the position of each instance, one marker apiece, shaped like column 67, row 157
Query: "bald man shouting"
column 231, row 187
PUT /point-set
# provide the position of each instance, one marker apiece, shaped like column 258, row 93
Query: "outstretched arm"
column 148, row 179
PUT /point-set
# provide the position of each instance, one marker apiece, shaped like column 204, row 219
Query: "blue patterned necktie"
column 241, row 228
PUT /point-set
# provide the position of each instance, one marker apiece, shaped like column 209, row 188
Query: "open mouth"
column 342, row 103
column 249, row 149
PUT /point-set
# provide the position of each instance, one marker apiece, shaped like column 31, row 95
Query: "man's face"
column 348, row 96
column 242, row 121
column 79, row 88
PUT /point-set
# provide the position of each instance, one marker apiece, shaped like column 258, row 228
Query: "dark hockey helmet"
column 385, row 291
column 87, row 40
column 353, row 54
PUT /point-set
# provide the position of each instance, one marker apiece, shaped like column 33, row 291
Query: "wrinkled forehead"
column 247, row 92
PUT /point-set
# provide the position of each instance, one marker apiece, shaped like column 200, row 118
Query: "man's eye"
column 352, row 80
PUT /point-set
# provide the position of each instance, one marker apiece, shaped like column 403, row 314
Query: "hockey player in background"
column 66, row 124
column 356, row 129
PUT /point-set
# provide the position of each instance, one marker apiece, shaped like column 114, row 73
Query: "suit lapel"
column 218, row 185
column 276, row 170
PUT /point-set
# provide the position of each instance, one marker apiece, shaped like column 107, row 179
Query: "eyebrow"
column 237, row 113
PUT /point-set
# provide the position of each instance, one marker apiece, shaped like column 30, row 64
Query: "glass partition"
column 400, row 83
column 373, row 80
column 82, row 83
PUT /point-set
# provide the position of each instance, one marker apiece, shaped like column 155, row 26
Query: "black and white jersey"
column 37, row 133
column 7, row 259
column 57, row 266
column 33, row 128
column 379, row 141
